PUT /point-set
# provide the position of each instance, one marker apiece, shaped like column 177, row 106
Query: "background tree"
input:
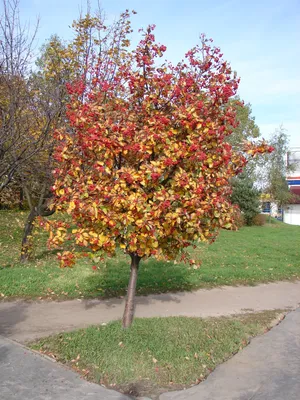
column 274, row 169
column 12, row 197
column 29, row 111
column 246, row 129
column 145, row 165
column 18, row 138
column 246, row 196
column 48, row 94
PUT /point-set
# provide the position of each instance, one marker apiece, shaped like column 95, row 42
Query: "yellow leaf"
column 95, row 211
column 102, row 239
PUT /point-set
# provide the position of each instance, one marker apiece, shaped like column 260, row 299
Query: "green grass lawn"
column 155, row 354
column 248, row 256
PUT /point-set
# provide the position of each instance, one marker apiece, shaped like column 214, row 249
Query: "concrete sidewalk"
column 23, row 321
column 25, row 375
column 267, row 369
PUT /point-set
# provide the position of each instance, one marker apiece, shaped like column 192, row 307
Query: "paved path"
column 25, row 375
column 267, row 369
column 23, row 321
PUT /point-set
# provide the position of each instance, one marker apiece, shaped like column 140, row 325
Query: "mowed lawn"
column 248, row 256
column 155, row 354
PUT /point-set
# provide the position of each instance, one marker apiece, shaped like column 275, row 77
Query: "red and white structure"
column 291, row 212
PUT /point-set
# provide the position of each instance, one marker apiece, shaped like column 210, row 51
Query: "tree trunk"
column 21, row 199
column 130, row 300
column 27, row 240
column 41, row 209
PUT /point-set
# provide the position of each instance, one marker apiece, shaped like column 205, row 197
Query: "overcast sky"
column 260, row 38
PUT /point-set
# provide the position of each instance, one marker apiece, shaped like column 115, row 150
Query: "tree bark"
column 26, row 241
column 41, row 209
column 21, row 199
column 130, row 300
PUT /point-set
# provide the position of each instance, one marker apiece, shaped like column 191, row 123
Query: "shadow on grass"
column 45, row 253
column 155, row 277
column 33, row 258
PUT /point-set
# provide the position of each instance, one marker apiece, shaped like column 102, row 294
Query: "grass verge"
column 249, row 256
column 155, row 354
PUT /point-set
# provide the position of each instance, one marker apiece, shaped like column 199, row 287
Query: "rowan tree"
column 145, row 165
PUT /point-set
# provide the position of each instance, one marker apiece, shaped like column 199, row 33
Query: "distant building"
column 291, row 212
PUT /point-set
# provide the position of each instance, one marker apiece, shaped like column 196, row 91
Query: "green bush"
column 246, row 196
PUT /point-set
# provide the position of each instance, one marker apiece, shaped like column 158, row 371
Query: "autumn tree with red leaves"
column 145, row 165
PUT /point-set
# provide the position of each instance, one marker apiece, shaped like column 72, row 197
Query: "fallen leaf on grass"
column 76, row 359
